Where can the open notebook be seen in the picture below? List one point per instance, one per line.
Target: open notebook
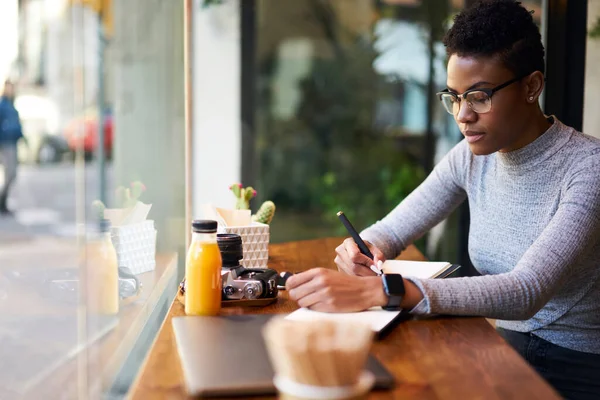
(419, 269)
(382, 321)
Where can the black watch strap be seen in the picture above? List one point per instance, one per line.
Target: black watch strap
(393, 285)
(393, 303)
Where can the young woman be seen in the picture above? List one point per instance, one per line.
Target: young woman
(533, 186)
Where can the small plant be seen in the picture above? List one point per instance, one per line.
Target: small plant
(124, 198)
(243, 195)
(98, 209)
(128, 197)
(265, 213)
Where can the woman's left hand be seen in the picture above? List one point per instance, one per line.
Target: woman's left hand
(327, 290)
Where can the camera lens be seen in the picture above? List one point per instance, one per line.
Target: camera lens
(231, 249)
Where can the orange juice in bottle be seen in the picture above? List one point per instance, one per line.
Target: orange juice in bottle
(203, 270)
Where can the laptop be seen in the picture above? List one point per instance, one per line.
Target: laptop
(226, 356)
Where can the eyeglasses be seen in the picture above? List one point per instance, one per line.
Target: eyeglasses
(479, 100)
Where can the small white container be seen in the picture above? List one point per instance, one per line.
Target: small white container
(136, 246)
(255, 243)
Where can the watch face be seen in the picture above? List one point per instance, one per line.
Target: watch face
(394, 285)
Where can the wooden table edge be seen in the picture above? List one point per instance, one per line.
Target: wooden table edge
(139, 373)
(128, 340)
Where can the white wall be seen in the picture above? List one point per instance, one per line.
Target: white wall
(591, 114)
(216, 120)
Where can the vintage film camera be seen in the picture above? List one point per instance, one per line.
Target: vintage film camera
(254, 286)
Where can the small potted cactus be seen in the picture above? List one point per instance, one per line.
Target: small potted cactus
(133, 235)
(125, 199)
(265, 213)
(255, 237)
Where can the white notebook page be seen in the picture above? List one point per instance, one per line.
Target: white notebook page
(376, 317)
(417, 269)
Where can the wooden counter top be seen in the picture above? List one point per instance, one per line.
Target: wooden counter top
(433, 358)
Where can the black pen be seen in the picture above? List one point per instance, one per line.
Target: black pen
(357, 239)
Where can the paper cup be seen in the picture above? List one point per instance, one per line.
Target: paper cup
(290, 390)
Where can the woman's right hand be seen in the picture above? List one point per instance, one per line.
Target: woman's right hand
(350, 260)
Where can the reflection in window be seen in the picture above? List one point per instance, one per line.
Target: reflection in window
(344, 120)
(77, 295)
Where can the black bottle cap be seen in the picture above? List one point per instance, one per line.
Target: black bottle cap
(204, 226)
(104, 225)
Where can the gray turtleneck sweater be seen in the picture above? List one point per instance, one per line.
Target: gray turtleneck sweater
(534, 236)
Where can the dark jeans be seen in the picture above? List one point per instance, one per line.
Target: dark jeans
(574, 374)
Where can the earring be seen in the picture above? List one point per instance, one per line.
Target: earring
(531, 98)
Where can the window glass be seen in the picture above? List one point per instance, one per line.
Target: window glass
(76, 294)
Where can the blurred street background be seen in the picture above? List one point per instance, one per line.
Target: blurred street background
(44, 201)
(46, 57)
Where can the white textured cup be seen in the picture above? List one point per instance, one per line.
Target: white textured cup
(291, 390)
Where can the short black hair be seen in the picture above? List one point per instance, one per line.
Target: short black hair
(498, 28)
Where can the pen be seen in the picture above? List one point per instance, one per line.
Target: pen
(358, 240)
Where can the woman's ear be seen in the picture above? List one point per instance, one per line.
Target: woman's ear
(534, 85)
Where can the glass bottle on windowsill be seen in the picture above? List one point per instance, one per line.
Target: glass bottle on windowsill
(101, 271)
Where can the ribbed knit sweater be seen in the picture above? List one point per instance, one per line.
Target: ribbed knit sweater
(534, 236)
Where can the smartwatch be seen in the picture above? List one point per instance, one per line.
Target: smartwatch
(393, 285)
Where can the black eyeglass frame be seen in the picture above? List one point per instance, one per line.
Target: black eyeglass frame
(489, 91)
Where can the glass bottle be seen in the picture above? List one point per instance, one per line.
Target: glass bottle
(203, 270)
(102, 272)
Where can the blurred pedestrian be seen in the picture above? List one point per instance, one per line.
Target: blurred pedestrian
(10, 134)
